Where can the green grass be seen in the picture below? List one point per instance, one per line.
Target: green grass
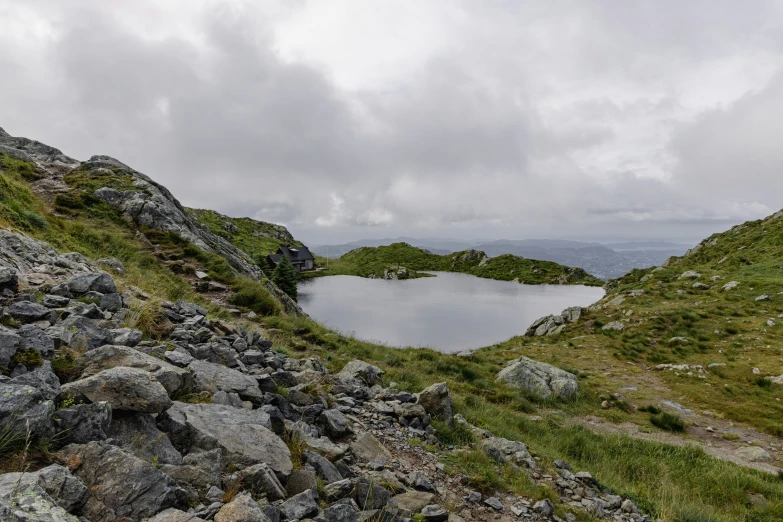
(256, 238)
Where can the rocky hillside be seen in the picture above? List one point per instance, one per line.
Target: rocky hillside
(386, 260)
(116, 406)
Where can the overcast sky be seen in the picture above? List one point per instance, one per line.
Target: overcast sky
(373, 118)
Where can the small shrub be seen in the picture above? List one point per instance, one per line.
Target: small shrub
(29, 358)
(668, 422)
(762, 382)
(650, 409)
(284, 276)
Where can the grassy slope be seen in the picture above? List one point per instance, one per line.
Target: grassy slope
(366, 261)
(673, 483)
(257, 238)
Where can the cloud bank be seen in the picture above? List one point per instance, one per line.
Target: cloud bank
(350, 119)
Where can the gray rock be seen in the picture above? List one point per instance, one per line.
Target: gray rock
(300, 506)
(243, 435)
(106, 357)
(325, 469)
(23, 408)
(178, 357)
(124, 388)
(212, 377)
(9, 344)
(98, 282)
(367, 448)
(361, 371)
(474, 496)
(33, 338)
(412, 501)
(504, 450)
(342, 513)
(434, 513)
(126, 336)
(335, 423)
(700, 286)
(764, 297)
(121, 485)
(436, 401)
(27, 312)
(262, 478)
(81, 332)
(9, 280)
(175, 515)
(217, 353)
(83, 423)
(55, 301)
(615, 326)
(65, 490)
(495, 504)
(301, 480)
(198, 470)
(544, 507)
(540, 378)
(227, 399)
(690, 274)
(138, 434)
(28, 503)
(554, 324)
(42, 379)
(369, 495)
(111, 302)
(242, 508)
(731, 285)
(337, 490)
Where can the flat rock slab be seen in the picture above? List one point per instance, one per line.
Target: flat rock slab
(244, 436)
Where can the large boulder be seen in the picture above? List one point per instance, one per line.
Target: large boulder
(100, 282)
(243, 435)
(213, 377)
(42, 379)
(109, 356)
(78, 331)
(29, 503)
(121, 484)
(83, 423)
(9, 280)
(124, 388)
(137, 433)
(65, 490)
(361, 371)
(23, 409)
(543, 379)
(303, 505)
(33, 338)
(436, 401)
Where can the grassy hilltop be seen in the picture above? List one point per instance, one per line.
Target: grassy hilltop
(674, 477)
(372, 261)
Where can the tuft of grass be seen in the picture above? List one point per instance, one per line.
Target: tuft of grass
(668, 422)
(452, 434)
(30, 358)
(254, 295)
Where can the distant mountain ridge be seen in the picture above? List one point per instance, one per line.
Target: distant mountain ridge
(605, 261)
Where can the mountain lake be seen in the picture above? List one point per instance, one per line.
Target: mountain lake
(449, 313)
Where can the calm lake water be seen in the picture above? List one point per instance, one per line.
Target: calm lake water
(450, 312)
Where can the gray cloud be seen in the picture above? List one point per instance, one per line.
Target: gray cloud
(519, 120)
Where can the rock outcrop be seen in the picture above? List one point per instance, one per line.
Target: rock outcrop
(554, 324)
(540, 378)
